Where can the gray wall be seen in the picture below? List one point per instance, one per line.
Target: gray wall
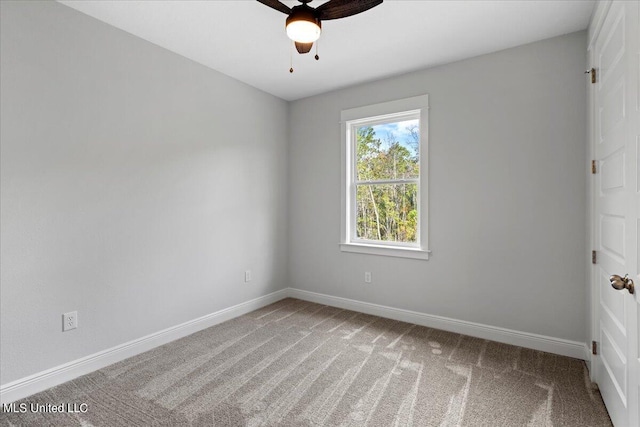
(137, 186)
(507, 190)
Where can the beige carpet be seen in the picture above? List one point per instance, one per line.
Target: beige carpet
(296, 363)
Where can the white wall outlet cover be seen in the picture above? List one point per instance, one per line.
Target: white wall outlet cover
(69, 321)
(247, 276)
(367, 277)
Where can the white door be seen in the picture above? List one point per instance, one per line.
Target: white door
(617, 209)
(633, 62)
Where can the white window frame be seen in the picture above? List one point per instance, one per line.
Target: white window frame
(384, 112)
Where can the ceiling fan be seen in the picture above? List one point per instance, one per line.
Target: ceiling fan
(304, 23)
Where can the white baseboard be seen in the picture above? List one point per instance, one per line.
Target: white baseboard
(508, 336)
(32, 384)
(587, 356)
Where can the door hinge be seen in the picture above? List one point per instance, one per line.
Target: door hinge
(593, 166)
(593, 257)
(594, 347)
(593, 74)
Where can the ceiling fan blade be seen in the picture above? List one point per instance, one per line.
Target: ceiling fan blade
(303, 47)
(275, 4)
(335, 9)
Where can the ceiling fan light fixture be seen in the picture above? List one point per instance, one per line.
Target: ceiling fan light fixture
(302, 25)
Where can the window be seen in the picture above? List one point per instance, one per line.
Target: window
(384, 191)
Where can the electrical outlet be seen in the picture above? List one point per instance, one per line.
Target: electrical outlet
(367, 277)
(69, 321)
(247, 276)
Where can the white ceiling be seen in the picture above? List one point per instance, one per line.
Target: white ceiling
(246, 40)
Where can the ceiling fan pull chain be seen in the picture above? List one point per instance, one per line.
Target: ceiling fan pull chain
(317, 43)
(291, 58)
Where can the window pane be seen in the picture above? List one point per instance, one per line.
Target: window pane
(388, 151)
(387, 212)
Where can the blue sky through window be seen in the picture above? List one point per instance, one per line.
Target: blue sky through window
(398, 131)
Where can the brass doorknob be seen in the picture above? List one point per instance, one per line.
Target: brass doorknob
(620, 283)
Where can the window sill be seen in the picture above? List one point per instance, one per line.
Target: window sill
(391, 251)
